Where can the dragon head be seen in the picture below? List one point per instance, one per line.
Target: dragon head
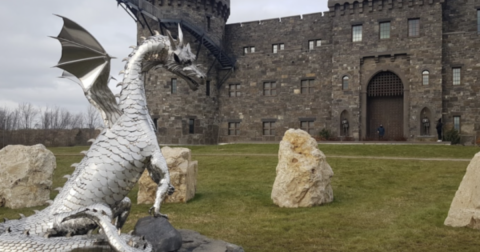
(181, 61)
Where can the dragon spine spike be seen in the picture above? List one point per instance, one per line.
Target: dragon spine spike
(119, 231)
(133, 47)
(46, 235)
(119, 84)
(89, 233)
(131, 232)
(84, 152)
(156, 33)
(118, 95)
(143, 38)
(8, 230)
(21, 215)
(5, 219)
(67, 176)
(58, 189)
(36, 211)
(50, 202)
(121, 72)
(75, 164)
(91, 140)
(26, 232)
(126, 59)
(69, 234)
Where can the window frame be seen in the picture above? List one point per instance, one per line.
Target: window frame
(425, 77)
(416, 29)
(478, 20)
(457, 125)
(309, 87)
(347, 79)
(314, 43)
(272, 90)
(173, 86)
(310, 126)
(235, 129)
(270, 130)
(385, 33)
(356, 37)
(456, 76)
(234, 90)
(191, 125)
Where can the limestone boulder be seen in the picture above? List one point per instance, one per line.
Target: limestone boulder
(183, 176)
(303, 174)
(26, 174)
(465, 208)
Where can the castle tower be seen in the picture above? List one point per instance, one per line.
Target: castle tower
(183, 116)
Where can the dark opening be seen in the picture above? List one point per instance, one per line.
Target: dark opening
(155, 122)
(191, 126)
(207, 85)
(208, 23)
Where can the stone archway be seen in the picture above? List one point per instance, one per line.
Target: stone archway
(385, 105)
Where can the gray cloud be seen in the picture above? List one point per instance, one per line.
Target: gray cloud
(27, 54)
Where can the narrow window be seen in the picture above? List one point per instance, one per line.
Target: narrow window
(155, 122)
(269, 128)
(173, 86)
(233, 128)
(456, 75)
(311, 45)
(345, 82)
(307, 86)
(385, 30)
(275, 48)
(207, 87)
(357, 33)
(456, 123)
(426, 76)
(234, 90)
(191, 126)
(252, 49)
(478, 20)
(307, 126)
(319, 42)
(414, 27)
(282, 47)
(269, 89)
(208, 23)
(245, 50)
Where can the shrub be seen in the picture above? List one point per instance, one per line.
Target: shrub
(325, 135)
(452, 135)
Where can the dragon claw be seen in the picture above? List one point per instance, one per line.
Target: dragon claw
(155, 214)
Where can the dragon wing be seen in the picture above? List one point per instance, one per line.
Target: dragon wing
(84, 58)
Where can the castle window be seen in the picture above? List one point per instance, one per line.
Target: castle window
(233, 128)
(478, 20)
(307, 125)
(384, 30)
(277, 47)
(357, 33)
(234, 90)
(314, 43)
(307, 86)
(207, 87)
(414, 27)
(173, 86)
(191, 126)
(209, 23)
(319, 42)
(426, 76)
(456, 71)
(456, 123)
(252, 49)
(269, 128)
(269, 88)
(248, 49)
(155, 122)
(345, 82)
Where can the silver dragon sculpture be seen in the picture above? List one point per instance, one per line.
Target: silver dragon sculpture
(95, 194)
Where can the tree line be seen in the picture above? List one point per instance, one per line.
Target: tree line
(51, 126)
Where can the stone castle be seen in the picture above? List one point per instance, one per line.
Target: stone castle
(401, 63)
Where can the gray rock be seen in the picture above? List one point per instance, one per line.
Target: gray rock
(195, 242)
(160, 233)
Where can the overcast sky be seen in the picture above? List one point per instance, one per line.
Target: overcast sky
(27, 54)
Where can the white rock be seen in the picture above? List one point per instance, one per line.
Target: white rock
(465, 208)
(303, 174)
(26, 174)
(183, 176)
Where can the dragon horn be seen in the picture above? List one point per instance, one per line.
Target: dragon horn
(156, 33)
(173, 44)
(180, 36)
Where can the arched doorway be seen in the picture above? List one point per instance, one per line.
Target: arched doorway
(385, 105)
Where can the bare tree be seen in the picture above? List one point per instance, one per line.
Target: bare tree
(92, 118)
(28, 114)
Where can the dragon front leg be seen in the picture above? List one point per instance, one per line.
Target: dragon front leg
(158, 171)
(121, 212)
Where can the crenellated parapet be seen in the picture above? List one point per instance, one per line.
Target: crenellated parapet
(346, 7)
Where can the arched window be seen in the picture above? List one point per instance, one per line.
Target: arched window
(345, 82)
(425, 75)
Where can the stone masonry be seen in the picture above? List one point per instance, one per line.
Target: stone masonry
(300, 86)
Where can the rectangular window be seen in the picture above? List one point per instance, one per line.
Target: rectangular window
(385, 30)
(207, 87)
(414, 27)
(456, 123)
(234, 90)
(155, 122)
(191, 126)
(357, 33)
(245, 50)
(269, 128)
(233, 128)
(311, 45)
(252, 49)
(208, 23)
(282, 47)
(456, 75)
(275, 48)
(319, 42)
(478, 20)
(248, 49)
(307, 126)
(278, 47)
(307, 86)
(269, 89)
(173, 86)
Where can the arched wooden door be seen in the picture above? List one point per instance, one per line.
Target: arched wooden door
(385, 105)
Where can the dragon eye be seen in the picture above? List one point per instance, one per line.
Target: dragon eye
(188, 62)
(177, 59)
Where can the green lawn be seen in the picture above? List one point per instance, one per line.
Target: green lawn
(380, 205)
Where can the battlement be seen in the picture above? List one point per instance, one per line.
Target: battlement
(220, 8)
(311, 17)
(343, 7)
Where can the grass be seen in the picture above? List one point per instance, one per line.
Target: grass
(379, 205)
